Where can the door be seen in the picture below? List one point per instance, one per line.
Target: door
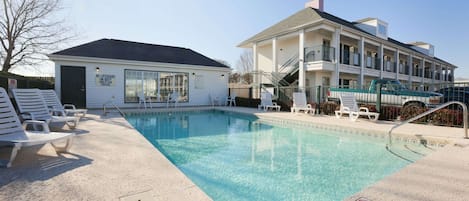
(346, 55)
(73, 89)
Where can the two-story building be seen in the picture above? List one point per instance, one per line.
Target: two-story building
(335, 52)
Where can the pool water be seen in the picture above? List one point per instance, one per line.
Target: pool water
(236, 157)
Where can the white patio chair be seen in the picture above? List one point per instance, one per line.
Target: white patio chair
(348, 105)
(12, 133)
(214, 100)
(266, 102)
(231, 100)
(31, 106)
(300, 104)
(53, 101)
(173, 98)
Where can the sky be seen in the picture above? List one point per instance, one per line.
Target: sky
(214, 28)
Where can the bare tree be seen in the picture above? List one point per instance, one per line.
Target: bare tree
(29, 30)
(245, 66)
(245, 62)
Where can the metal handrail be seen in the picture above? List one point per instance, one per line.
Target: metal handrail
(111, 102)
(464, 107)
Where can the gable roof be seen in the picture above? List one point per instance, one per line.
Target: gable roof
(310, 15)
(135, 51)
(297, 20)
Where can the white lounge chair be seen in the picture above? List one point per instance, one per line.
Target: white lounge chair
(53, 101)
(12, 133)
(31, 106)
(266, 102)
(348, 105)
(173, 98)
(300, 104)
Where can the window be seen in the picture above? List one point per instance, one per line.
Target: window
(382, 30)
(155, 85)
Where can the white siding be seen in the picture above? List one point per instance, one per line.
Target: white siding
(96, 96)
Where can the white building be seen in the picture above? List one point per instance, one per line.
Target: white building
(335, 52)
(94, 73)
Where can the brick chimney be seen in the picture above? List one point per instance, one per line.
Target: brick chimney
(318, 4)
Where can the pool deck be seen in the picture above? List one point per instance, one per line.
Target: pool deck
(110, 160)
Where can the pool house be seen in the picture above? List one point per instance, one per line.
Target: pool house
(123, 72)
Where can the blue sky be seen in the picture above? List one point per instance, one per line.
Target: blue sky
(215, 27)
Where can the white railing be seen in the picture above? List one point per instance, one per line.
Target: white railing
(111, 103)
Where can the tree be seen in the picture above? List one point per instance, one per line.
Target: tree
(245, 66)
(245, 62)
(29, 30)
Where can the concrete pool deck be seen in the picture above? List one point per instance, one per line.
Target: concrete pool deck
(110, 160)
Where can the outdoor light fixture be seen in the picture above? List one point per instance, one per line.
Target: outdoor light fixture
(193, 73)
(222, 75)
(98, 69)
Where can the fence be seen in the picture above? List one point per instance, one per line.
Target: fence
(27, 82)
(395, 102)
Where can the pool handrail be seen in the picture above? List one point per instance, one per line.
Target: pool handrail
(111, 102)
(464, 107)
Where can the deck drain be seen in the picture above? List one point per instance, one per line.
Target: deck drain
(142, 196)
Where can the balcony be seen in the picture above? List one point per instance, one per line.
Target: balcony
(353, 58)
(319, 53)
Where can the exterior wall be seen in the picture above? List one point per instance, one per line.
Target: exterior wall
(289, 47)
(265, 61)
(96, 96)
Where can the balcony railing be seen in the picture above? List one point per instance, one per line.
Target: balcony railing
(319, 53)
(352, 59)
(389, 66)
(373, 62)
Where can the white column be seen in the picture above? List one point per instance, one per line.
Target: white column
(433, 72)
(336, 42)
(381, 60)
(362, 61)
(446, 74)
(274, 55)
(422, 70)
(257, 76)
(411, 68)
(440, 71)
(452, 75)
(396, 64)
(301, 72)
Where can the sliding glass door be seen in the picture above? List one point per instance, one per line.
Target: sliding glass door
(155, 85)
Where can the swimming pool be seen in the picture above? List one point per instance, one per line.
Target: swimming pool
(237, 157)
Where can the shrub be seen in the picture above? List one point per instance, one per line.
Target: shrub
(411, 111)
(389, 112)
(447, 117)
(246, 102)
(329, 108)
